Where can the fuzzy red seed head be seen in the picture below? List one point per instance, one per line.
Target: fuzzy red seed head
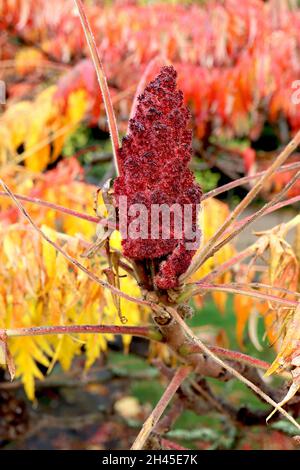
(154, 160)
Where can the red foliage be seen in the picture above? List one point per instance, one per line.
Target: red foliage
(154, 170)
(82, 76)
(66, 171)
(237, 62)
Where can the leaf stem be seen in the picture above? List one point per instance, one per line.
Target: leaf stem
(56, 207)
(242, 224)
(236, 289)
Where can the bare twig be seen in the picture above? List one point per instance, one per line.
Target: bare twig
(154, 417)
(56, 207)
(112, 123)
(230, 263)
(237, 258)
(242, 224)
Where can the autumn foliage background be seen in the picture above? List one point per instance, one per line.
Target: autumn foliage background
(236, 63)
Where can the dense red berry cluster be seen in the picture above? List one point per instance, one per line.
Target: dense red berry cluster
(154, 160)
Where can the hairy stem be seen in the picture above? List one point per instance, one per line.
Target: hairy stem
(56, 207)
(141, 331)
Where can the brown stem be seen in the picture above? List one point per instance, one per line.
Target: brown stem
(236, 356)
(229, 354)
(206, 351)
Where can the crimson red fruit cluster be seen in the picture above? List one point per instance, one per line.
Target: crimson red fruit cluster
(154, 160)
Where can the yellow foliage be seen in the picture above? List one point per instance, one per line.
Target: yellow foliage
(77, 106)
(58, 186)
(27, 60)
(38, 286)
(133, 313)
(34, 125)
(242, 307)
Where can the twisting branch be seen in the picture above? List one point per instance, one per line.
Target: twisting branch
(154, 417)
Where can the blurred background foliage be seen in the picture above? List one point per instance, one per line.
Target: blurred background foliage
(236, 63)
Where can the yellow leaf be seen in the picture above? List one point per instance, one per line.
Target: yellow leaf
(49, 253)
(77, 106)
(212, 216)
(242, 306)
(27, 60)
(290, 345)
